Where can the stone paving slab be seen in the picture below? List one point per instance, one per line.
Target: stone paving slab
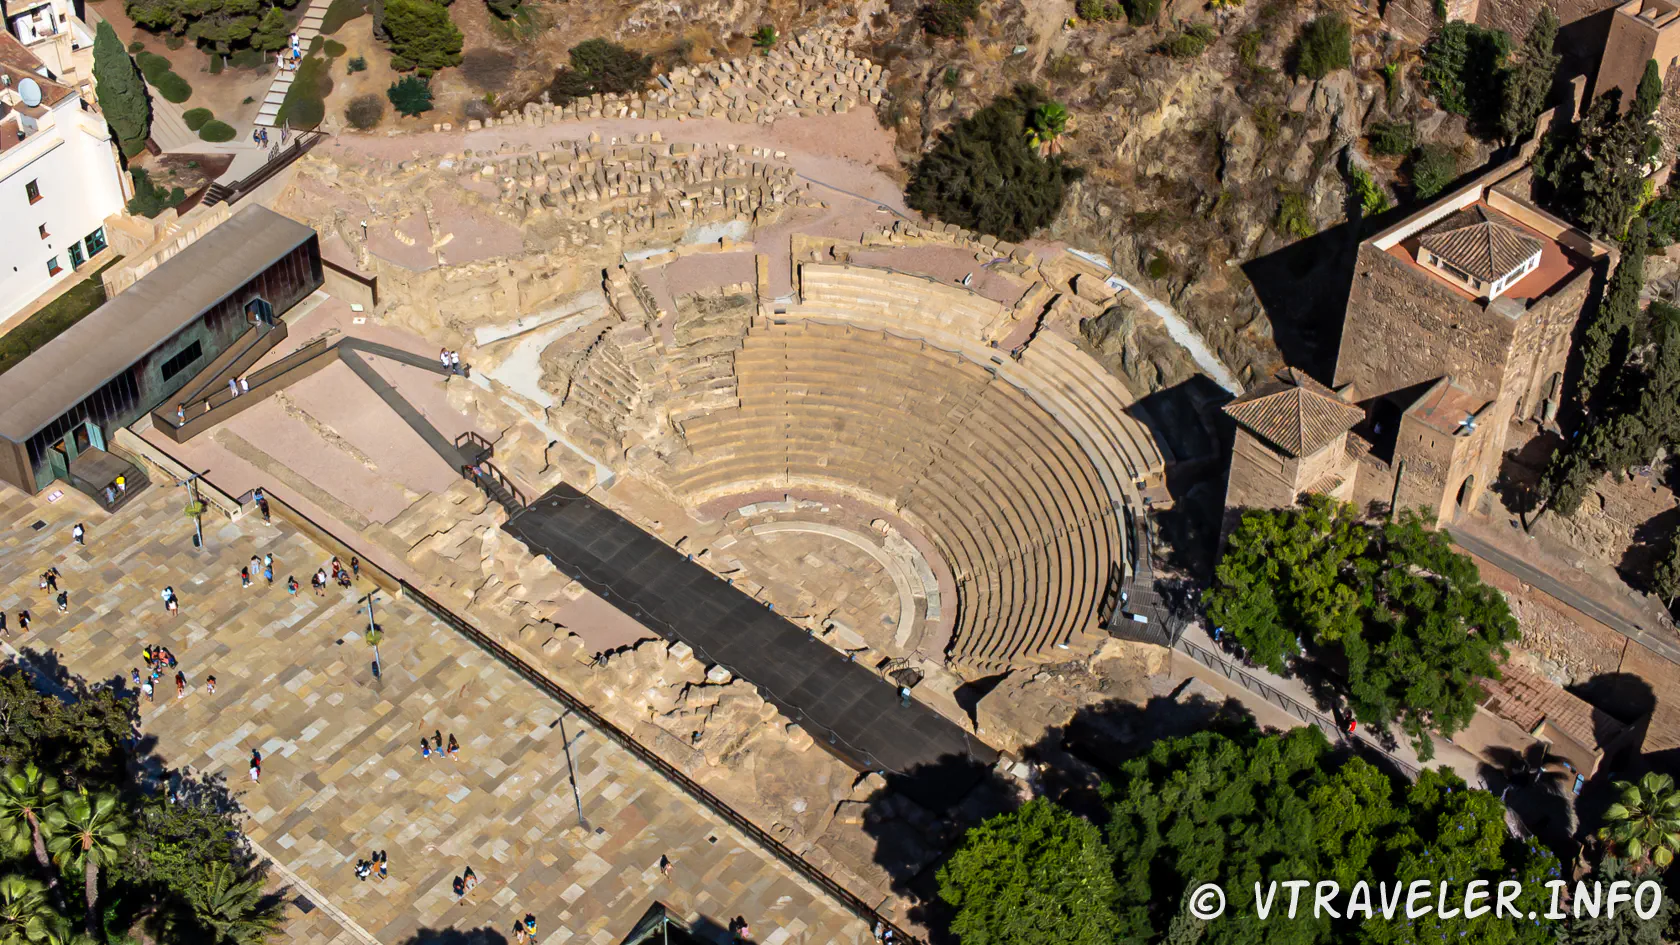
(342, 771)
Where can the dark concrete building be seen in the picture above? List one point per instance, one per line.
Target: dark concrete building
(59, 405)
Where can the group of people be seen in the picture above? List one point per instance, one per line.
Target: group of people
(451, 361)
(158, 660)
(263, 568)
(49, 582)
(434, 746)
(341, 575)
(377, 863)
(116, 490)
(465, 882)
(525, 930)
(171, 603)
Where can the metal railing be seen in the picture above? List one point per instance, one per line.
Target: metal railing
(1284, 701)
(488, 478)
(647, 756)
(480, 445)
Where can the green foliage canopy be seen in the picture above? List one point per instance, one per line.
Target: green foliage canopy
(422, 36)
(1464, 67)
(983, 173)
(1592, 171)
(1325, 45)
(1528, 83)
(599, 67)
(410, 95)
(122, 93)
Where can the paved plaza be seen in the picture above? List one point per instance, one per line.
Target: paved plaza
(342, 773)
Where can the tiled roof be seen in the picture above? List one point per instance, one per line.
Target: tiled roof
(1530, 701)
(1480, 242)
(1294, 413)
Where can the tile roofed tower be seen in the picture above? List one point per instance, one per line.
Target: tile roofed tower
(1477, 243)
(1295, 413)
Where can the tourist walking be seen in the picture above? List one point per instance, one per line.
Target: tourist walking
(180, 685)
(3, 630)
(268, 574)
(665, 864)
(384, 865)
(49, 579)
(425, 747)
(134, 674)
(244, 386)
(244, 577)
(455, 363)
(23, 621)
(210, 684)
(233, 387)
(146, 687)
(355, 567)
(79, 533)
(443, 358)
(291, 585)
(453, 747)
(63, 602)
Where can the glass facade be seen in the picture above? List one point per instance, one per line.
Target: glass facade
(164, 370)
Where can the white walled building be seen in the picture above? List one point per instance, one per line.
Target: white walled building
(59, 179)
(55, 31)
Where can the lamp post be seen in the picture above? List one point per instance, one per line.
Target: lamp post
(195, 508)
(373, 636)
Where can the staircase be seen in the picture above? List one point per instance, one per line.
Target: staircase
(308, 28)
(475, 453)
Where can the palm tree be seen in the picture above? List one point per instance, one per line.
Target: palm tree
(1645, 820)
(1045, 127)
(25, 916)
(234, 906)
(25, 796)
(88, 831)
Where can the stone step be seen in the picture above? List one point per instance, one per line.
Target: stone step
(269, 110)
(274, 98)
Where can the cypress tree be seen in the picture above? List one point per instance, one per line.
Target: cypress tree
(1609, 337)
(1530, 81)
(121, 91)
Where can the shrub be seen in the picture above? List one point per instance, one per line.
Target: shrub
(1464, 66)
(1433, 168)
(1188, 43)
(215, 65)
(422, 36)
(122, 93)
(599, 67)
(1160, 266)
(1294, 217)
(365, 111)
(1325, 45)
(1365, 189)
(273, 32)
(983, 174)
(487, 69)
(247, 59)
(149, 199)
(214, 130)
(340, 12)
(949, 18)
(174, 42)
(1142, 12)
(333, 48)
(765, 39)
(503, 9)
(196, 117)
(305, 103)
(174, 88)
(135, 47)
(1248, 48)
(1099, 11)
(1391, 137)
(162, 77)
(356, 64)
(411, 95)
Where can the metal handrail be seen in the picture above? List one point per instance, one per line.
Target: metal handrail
(647, 756)
(485, 470)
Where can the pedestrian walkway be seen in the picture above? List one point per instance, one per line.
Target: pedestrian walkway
(342, 774)
(846, 707)
(308, 28)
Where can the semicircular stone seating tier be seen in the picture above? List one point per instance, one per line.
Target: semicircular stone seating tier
(1009, 495)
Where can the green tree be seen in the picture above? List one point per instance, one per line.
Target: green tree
(1609, 335)
(88, 831)
(122, 93)
(1325, 45)
(983, 174)
(1142, 12)
(1434, 167)
(1464, 65)
(1408, 615)
(1529, 82)
(410, 95)
(1666, 579)
(422, 35)
(1040, 874)
(1623, 926)
(232, 905)
(26, 917)
(1644, 821)
(1245, 809)
(25, 797)
(1593, 171)
(273, 32)
(224, 24)
(599, 67)
(1569, 475)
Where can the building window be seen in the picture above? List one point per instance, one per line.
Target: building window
(96, 242)
(53, 268)
(179, 362)
(76, 257)
(43, 231)
(32, 190)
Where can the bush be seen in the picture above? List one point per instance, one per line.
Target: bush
(162, 77)
(1464, 66)
(216, 131)
(486, 69)
(1433, 168)
(1248, 48)
(1325, 45)
(1099, 11)
(410, 95)
(196, 117)
(356, 64)
(1365, 189)
(122, 93)
(215, 65)
(1294, 217)
(1142, 12)
(340, 12)
(174, 42)
(1391, 137)
(333, 48)
(984, 175)
(365, 111)
(422, 36)
(599, 67)
(247, 59)
(949, 18)
(305, 103)
(135, 47)
(503, 9)
(1187, 44)
(149, 199)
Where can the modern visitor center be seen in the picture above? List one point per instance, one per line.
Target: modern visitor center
(59, 405)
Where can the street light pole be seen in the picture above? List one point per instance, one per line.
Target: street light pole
(373, 637)
(191, 482)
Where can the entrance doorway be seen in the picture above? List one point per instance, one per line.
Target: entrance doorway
(1465, 490)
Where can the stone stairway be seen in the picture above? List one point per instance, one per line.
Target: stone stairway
(308, 28)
